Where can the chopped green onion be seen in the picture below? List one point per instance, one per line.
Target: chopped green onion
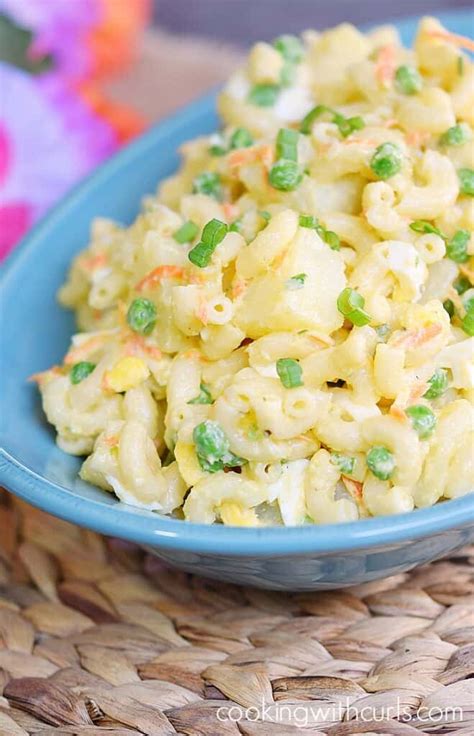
(296, 282)
(347, 126)
(204, 396)
(287, 144)
(289, 372)
(466, 181)
(461, 284)
(332, 239)
(265, 215)
(308, 221)
(386, 161)
(217, 150)
(456, 248)
(141, 316)
(213, 448)
(81, 370)
(236, 226)
(345, 463)
(290, 47)
(380, 462)
(329, 237)
(467, 323)
(350, 304)
(448, 306)
(423, 226)
(454, 136)
(468, 301)
(408, 80)
(285, 175)
(438, 383)
(264, 95)
(287, 74)
(308, 120)
(213, 234)
(240, 138)
(422, 419)
(208, 183)
(186, 232)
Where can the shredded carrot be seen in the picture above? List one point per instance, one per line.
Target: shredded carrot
(135, 344)
(242, 156)
(415, 338)
(158, 274)
(92, 263)
(74, 355)
(417, 137)
(201, 312)
(454, 38)
(230, 211)
(417, 391)
(398, 413)
(265, 155)
(353, 486)
(238, 288)
(104, 384)
(385, 65)
(355, 489)
(112, 440)
(191, 354)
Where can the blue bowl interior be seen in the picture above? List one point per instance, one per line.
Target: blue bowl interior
(36, 332)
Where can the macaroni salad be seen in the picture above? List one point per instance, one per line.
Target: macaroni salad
(285, 333)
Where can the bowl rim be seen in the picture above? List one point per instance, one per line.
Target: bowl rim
(149, 528)
(152, 529)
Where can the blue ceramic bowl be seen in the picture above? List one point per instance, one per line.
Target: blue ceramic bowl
(35, 334)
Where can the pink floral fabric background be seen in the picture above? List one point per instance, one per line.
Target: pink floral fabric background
(56, 122)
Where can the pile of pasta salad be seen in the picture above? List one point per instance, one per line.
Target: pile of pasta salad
(285, 333)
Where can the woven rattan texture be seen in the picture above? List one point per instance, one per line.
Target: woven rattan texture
(98, 638)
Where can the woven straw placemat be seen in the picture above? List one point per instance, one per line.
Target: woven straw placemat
(96, 637)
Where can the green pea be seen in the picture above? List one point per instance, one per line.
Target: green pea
(208, 183)
(345, 463)
(81, 370)
(213, 447)
(454, 136)
(456, 248)
(466, 181)
(386, 161)
(381, 462)
(422, 419)
(141, 316)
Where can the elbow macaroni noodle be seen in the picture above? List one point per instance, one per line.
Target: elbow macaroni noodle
(285, 333)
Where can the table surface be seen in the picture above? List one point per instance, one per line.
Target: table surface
(246, 21)
(99, 639)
